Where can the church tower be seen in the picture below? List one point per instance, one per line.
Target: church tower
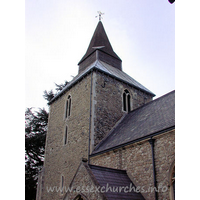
(84, 112)
(100, 49)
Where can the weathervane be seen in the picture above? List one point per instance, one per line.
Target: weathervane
(100, 13)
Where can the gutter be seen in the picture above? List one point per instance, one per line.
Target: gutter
(68, 87)
(151, 141)
(133, 141)
(88, 72)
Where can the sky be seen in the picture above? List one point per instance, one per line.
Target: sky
(54, 35)
(57, 35)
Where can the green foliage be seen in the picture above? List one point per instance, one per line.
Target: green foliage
(61, 86)
(35, 136)
(48, 95)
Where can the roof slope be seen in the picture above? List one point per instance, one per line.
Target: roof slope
(112, 71)
(152, 117)
(115, 179)
(101, 42)
(107, 69)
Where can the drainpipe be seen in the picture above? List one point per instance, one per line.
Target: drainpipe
(90, 116)
(151, 141)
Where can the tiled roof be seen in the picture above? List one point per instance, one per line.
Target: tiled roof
(151, 118)
(114, 180)
(107, 69)
(100, 41)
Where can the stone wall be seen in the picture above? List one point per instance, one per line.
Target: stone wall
(60, 159)
(137, 160)
(106, 109)
(164, 159)
(84, 184)
(108, 104)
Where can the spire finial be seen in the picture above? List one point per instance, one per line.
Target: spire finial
(100, 13)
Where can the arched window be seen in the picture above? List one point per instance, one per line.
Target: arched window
(65, 136)
(68, 107)
(129, 102)
(126, 101)
(62, 185)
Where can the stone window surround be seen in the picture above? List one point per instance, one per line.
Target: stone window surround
(68, 106)
(126, 101)
(62, 184)
(65, 139)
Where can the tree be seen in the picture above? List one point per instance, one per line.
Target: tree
(35, 136)
(50, 94)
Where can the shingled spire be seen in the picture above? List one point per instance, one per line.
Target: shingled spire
(100, 49)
